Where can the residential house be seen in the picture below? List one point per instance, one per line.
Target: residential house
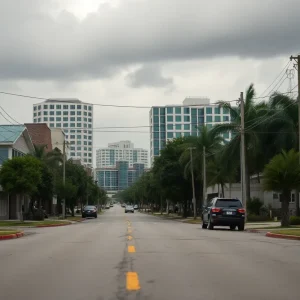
(14, 141)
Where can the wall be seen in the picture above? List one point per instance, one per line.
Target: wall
(21, 145)
(58, 138)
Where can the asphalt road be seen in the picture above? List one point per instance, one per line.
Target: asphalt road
(137, 256)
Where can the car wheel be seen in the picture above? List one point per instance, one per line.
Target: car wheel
(125, 212)
(210, 225)
(96, 216)
(241, 227)
(232, 227)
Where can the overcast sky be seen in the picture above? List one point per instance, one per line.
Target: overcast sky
(140, 52)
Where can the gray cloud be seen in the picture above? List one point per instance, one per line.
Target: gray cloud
(37, 46)
(148, 76)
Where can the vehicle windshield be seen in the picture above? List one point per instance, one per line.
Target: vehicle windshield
(89, 207)
(228, 203)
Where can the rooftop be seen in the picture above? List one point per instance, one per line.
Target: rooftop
(66, 100)
(10, 133)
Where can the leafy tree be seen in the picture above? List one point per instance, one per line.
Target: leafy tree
(282, 174)
(21, 175)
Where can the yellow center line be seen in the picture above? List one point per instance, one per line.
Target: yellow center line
(129, 230)
(129, 238)
(131, 249)
(132, 281)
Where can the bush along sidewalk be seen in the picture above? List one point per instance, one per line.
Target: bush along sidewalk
(10, 234)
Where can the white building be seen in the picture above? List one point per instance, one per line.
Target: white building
(75, 118)
(173, 121)
(120, 151)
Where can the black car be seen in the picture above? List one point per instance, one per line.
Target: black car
(224, 212)
(89, 211)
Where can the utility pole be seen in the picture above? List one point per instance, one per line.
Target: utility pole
(243, 154)
(193, 183)
(297, 60)
(64, 180)
(204, 175)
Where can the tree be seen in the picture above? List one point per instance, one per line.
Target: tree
(255, 118)
(282, 174)
(21, 175)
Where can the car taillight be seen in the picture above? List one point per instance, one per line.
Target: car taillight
(215, 210)
(241, 210)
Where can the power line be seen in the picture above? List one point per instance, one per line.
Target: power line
(9, 115)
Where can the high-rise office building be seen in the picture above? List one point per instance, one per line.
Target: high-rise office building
(173, 121)
(120, 151)
(119, 177)
(75, 118)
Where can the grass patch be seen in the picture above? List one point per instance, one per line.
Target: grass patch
(30, 223)
(287, 232)
(7, 232)
(276, 227)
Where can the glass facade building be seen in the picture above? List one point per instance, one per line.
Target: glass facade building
(120, 177)
(76, 120)
(169, 122)
(120, 151)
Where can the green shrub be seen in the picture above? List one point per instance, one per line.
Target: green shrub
(255, 218)
(294, 220)
(254, 206)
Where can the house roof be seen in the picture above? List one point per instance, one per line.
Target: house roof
(10, 133)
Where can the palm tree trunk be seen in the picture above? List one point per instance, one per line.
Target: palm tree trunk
(285, 221)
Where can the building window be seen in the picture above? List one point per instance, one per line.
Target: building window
(169, 110)
(65, 113)
(90, 120)
(225, 110)
(170, 118)
(51, 125)
(178, 126)
(186, 118)
(58, 119)
(51, 106)
(58, 113)
(85, 143)
(90, 126)
(155, 111)
(178, 118)
(217, 118)
(177, 110)
(225, 118)
(72, 113)
(85, 119)
(208, 118)
(208, 110)
(78, 148)
(90, 108)
(66, 107)
(79, 143)
(72, 136)
(34, 108)
(79, 125)
(72, 125)
(186, 110)
(58, 125)
(39, 113)
(34, 114)
(79, 137)
(45, 119)
(45, 106)
(85, 107)
(186, 126)
(78, 118)
(39, 107)
(156, 135)
(39, 120)
(85, 113)
(72, 106)
(65, 125)
(78, 113)
(72, 119)
(51, 119)
(169, 135)
(217, 110)
(58, 106)
(72, 153)
(178, 134)
(78, 106)
(170, 126)
(65, 119)
(90, 149)
(186, 134)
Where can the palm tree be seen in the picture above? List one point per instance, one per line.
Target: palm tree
(254, 120)
(282, 174)
(52, 158)
(219, 172)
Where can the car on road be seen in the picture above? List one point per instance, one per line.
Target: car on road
(89, 211)
(224, 212)
(135, 207)
(129, 208)
(107, 206)
(111, 205)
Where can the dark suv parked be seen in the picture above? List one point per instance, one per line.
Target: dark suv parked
(224, 212)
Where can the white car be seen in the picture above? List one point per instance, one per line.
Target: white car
(129, 208)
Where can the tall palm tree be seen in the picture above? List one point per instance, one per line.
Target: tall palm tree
(282, 174)
(254, 120)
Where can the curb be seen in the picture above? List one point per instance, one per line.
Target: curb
(53, 225)
(12, 236)
(283, 236)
